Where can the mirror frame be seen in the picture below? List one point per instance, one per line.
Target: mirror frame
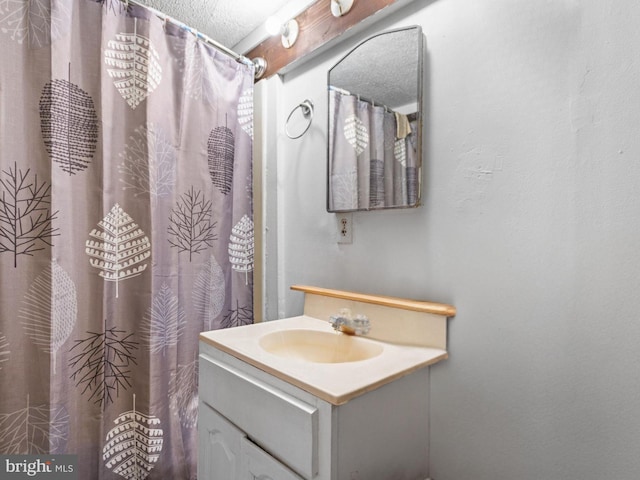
(419, 119)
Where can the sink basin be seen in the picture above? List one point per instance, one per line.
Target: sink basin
(319, 347)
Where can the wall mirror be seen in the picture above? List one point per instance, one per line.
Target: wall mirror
(375, 124)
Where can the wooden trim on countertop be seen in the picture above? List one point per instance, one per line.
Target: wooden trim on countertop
(394, 302)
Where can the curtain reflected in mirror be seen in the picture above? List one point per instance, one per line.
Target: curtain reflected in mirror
(374, 150)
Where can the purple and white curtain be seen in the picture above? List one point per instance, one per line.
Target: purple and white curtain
(371, 166)
(126, 229)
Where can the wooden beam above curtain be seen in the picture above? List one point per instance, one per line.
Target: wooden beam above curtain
(317, 28)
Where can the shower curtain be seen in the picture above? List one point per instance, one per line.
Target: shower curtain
(370, 165)
(125, 230)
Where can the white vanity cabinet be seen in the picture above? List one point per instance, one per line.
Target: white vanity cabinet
(253, 425)
(273, 414)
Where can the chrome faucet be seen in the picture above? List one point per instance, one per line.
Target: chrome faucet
(345, 323)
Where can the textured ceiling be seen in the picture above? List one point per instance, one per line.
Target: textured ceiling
(225, 21)
(383, 69)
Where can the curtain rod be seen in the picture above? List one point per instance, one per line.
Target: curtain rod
(163, 16)
(361, 98)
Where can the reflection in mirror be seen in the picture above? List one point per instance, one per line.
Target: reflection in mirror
(375, 124)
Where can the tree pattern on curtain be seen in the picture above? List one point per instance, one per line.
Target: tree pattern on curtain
(126, 229)
(35, 22)
(156, 178)
(26, 219)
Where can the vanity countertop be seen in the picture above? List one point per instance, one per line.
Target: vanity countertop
(336, 383)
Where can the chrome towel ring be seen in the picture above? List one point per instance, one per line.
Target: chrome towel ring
(307, 112)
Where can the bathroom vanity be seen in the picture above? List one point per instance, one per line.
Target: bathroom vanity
(294, 399)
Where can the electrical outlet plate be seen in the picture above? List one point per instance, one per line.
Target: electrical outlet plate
(344, 228)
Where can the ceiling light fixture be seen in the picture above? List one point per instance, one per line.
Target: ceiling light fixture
(290, 32)
(341, 7)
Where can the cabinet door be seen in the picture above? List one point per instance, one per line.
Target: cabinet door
(260, 465)
(219, 446)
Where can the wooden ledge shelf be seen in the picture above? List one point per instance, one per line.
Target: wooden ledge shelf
(393, 302)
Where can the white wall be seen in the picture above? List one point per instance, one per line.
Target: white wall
(530, 227)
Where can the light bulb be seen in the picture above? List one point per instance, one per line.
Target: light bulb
(273, 25)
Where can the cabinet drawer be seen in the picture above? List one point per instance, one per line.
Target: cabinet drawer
(283, 425)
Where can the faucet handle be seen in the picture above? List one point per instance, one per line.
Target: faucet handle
(344, 322)
(361, 324)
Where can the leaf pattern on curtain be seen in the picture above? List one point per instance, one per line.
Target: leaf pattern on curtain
(39, 22)
(4, 350)
(238, 316)
(59, 429)
(191, 228)
(26, 221)
(413, 185)
(69, 125)
(356, 133)
(183, 393)
(344, 190)
(245, 111)
(102, 364)
(241, 247)
(376, 183)
(34, 429)
(50, 310)
(198, 85)
(164, 323)
(120, 249)
(149, 163)
(134, 65)
(400, 151)
(209, 292)
(221, 155)
(133, 446)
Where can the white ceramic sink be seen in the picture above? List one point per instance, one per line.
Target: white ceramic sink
(287, 348)
(319, 347)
